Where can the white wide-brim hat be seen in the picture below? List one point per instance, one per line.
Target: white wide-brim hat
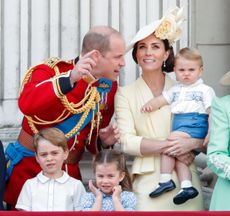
(168, 27)
(143, 33)
(225, 80)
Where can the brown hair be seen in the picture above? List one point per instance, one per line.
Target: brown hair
(190, 54)
(169, 63)
(53, 135)
(114, 156)
(98, 38)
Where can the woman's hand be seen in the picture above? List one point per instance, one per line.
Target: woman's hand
(186, 158)
(182, 145)
(179, 146)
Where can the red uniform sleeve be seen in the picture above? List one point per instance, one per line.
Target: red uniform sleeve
(38, 95)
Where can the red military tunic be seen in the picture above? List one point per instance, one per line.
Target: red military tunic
(40, 99)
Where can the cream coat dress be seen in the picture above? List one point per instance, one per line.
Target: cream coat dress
(135, 125)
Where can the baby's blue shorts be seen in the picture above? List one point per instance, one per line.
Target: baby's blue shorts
(194, 124)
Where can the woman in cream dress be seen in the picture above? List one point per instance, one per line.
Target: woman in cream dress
(144, 135)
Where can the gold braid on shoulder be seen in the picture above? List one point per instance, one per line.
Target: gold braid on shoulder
(89, 102)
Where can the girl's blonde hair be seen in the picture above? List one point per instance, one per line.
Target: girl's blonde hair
(190, 54)
(114, 156)
(53, 135)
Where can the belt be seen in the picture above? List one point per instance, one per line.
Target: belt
(26, 140)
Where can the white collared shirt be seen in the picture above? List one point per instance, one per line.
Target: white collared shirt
(196, 97)
(44, 194)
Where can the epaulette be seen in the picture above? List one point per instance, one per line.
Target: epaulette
(51, 62)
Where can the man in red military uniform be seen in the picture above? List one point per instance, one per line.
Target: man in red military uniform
(75, 96)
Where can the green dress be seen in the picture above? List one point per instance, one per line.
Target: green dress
(218, 155)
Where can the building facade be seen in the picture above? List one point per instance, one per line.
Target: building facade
(33, 30)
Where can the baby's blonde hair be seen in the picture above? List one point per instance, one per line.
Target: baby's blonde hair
(189, 54)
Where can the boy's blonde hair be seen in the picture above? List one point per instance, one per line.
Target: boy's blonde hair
(189, 54)
(53, 135)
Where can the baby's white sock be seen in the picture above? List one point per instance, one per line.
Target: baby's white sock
(186, 184)
(165, 177)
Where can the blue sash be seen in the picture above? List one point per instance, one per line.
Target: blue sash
(14, 153)
(67, 125)
(104, 86)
